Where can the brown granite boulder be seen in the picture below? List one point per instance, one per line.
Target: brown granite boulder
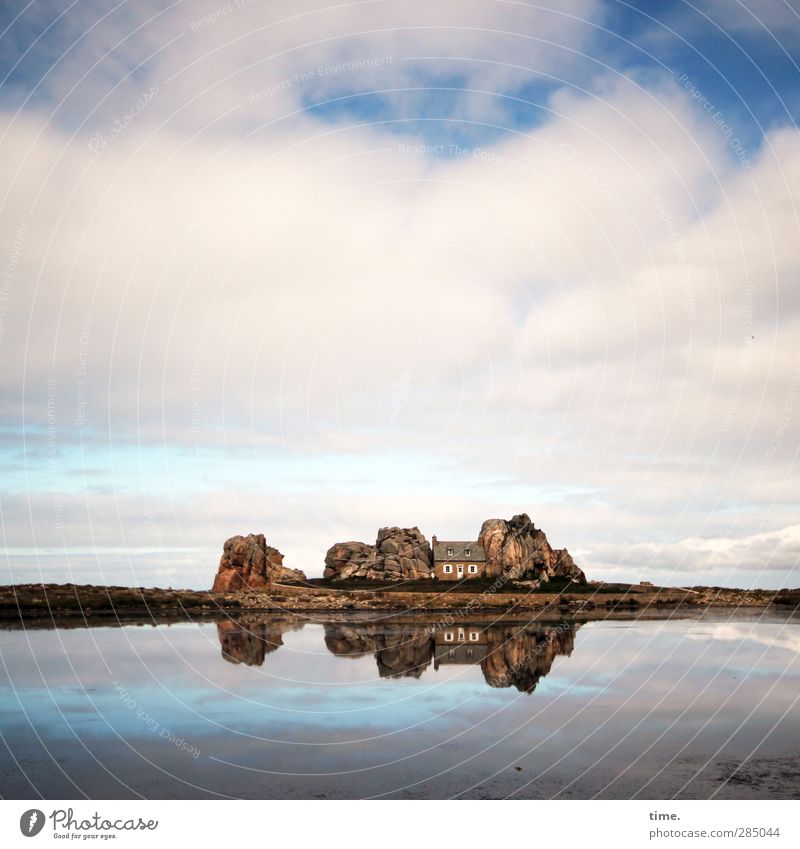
(248, 563)
(349, 560)
(565, 567)
(519, 550)
(399, 554)
(404, 553)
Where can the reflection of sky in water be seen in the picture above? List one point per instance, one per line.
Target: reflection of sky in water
(612, 714)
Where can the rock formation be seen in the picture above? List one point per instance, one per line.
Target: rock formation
(350, 559)
(248, 563)
(520, 551)
(399, 554)
(514, 548)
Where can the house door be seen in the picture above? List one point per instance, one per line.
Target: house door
(460, 571)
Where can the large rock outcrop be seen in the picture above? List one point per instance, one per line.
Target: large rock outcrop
(514, 548)
(248, 563)
(350, 559)
(399, 554)
(520, 551)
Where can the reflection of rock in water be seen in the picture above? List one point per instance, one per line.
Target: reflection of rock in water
(400, 650)
(250, 639)
(509, 655)
(519, 657)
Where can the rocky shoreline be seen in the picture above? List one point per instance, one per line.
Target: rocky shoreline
(520, 572)
(29, 601)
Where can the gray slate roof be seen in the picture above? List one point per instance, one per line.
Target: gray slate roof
(476, 552)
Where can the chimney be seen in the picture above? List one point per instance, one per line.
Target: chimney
(433, 540)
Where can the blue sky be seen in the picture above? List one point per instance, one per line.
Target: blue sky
(312, 271)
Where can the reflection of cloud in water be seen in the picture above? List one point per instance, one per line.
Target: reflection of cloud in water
(344, 708)
(773, 635)
(509, 655)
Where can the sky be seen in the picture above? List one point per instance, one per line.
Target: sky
(314, 269)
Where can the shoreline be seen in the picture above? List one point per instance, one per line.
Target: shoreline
(50, 601)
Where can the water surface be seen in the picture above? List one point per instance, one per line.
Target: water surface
(282, 707)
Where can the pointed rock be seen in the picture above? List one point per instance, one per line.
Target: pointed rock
(519, 550)
(248, 563)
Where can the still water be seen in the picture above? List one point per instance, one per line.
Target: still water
(272, 707)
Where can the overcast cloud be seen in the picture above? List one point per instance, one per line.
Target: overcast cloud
(513, 263)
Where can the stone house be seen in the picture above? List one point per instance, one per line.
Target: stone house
(455, 560)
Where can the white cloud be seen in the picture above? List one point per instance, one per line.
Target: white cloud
(721, 559)
(245, 63)
(592, 321)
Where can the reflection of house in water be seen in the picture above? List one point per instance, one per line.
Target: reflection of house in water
(508, 654)
(460, 644)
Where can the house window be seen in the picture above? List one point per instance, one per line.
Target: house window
(466, 552)
(473, 636)
(447, 568)
(469, 652)
(472, 568)
(448, 636)
(461, 637)
(460, 568)
(449, 551)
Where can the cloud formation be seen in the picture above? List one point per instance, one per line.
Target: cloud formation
(226, 309)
